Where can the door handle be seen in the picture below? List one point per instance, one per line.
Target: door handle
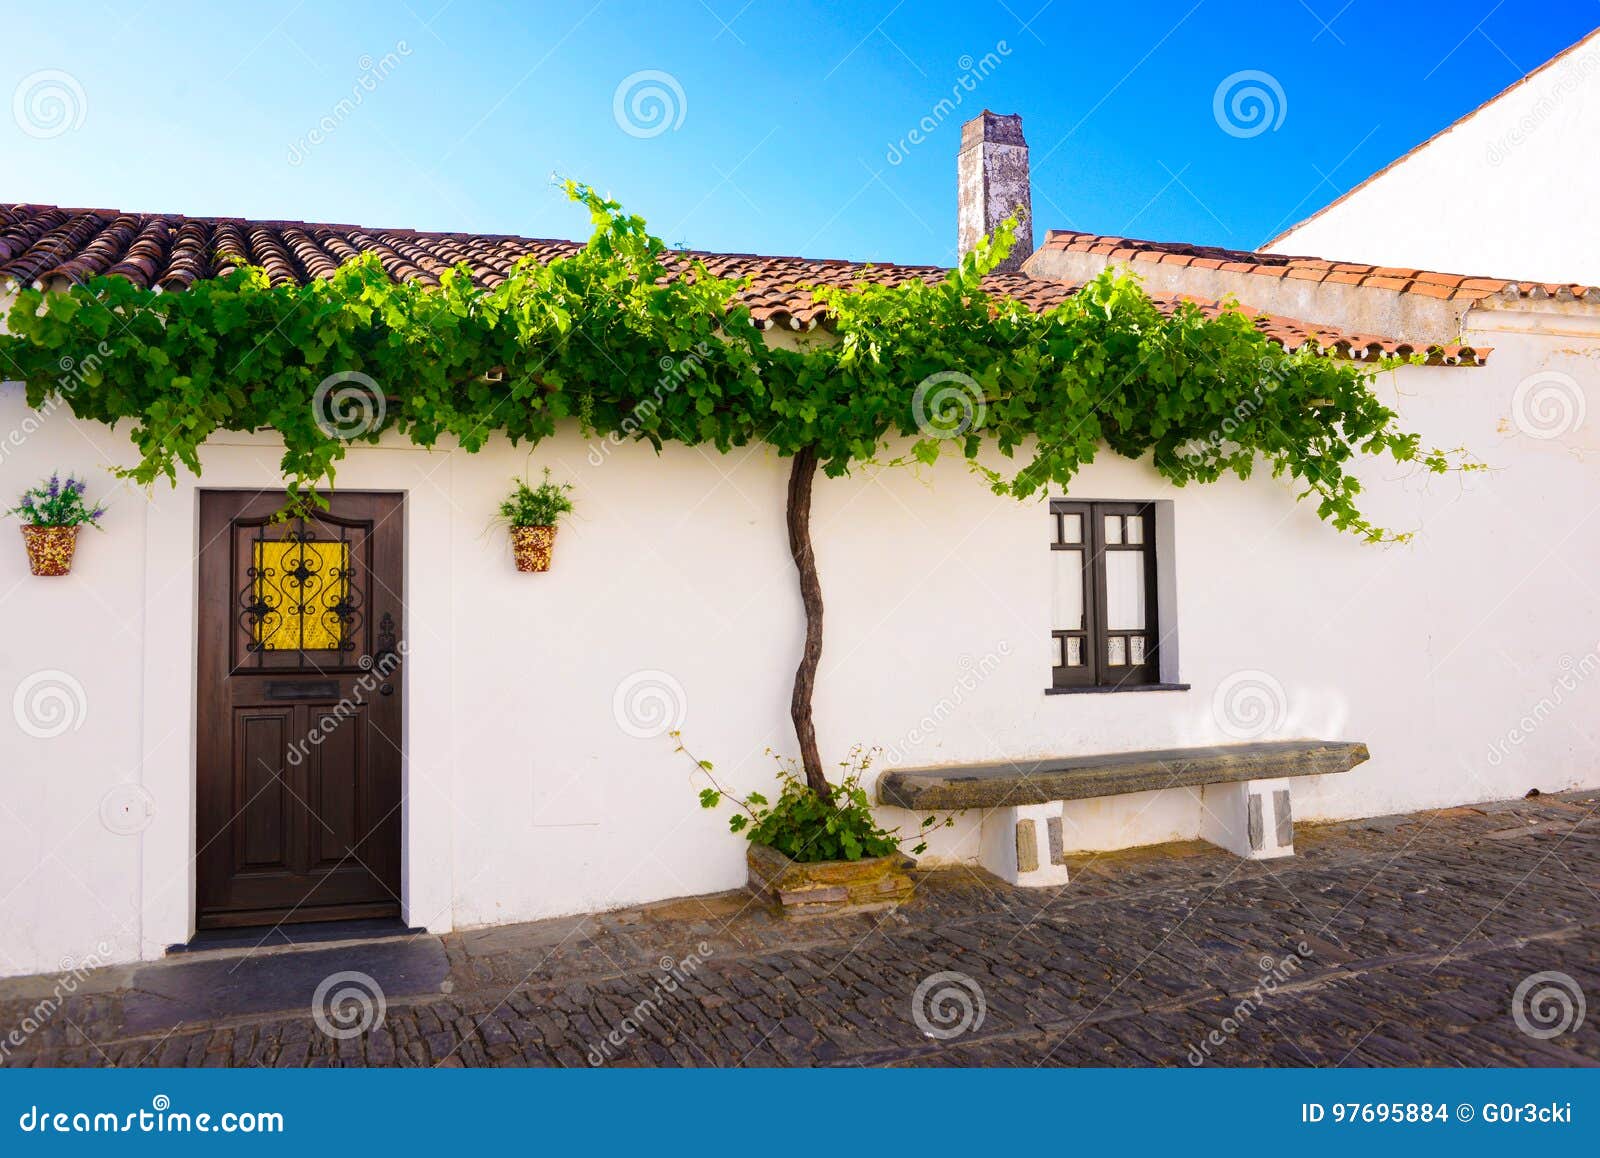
(385, 657)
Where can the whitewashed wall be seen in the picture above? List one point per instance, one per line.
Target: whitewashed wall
(1504, 192)
(526, 797)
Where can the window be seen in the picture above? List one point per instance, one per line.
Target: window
(300, 594)
(1108, 599)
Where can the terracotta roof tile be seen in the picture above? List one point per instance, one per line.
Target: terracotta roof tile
(46, 243)
(1443, 293)
(1459, 287)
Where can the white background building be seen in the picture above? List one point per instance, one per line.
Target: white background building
(1510, 187)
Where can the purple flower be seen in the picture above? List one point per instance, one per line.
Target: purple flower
(55, 486)
(98, 511)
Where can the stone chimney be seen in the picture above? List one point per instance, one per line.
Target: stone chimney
(992, 182)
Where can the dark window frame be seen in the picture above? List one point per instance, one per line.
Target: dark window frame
(1096, 673)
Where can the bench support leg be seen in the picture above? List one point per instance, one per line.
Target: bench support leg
(1251, 818)
(1023, 845)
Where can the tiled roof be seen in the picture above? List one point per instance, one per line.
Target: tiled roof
(1444, 286)
(44, 245)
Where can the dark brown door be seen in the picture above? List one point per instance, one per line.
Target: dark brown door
(299, 709)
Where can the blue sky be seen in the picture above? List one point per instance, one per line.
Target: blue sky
(787, 121)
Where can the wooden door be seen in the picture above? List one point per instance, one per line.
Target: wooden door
(299, 697)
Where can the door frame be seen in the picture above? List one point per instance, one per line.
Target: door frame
(167, 718)
(229, 680)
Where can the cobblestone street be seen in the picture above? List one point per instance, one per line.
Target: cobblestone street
(1395, 941)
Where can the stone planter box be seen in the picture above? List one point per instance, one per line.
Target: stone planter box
(828, 888)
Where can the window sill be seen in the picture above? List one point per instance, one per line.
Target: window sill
(1125, 688)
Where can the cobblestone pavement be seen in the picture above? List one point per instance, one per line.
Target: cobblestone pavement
(1395, 941)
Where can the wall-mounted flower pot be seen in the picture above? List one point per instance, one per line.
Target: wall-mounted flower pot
(50, 549)
(531, 546)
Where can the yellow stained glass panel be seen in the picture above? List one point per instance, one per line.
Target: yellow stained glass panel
(302, 584)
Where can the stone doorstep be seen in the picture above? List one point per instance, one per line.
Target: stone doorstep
(165, 994)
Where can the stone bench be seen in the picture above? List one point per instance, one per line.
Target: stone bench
(1244, 797)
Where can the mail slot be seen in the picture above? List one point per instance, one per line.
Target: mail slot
(302, 689)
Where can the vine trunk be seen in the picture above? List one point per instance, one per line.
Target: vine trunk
(802, 473)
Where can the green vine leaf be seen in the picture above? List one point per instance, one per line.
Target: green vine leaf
(634, 343)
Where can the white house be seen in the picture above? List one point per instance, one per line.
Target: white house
(518, 766)
(1512, 185)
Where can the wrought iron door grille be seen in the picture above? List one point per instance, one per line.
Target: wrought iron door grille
(300, 595)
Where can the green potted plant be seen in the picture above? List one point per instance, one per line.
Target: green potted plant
(51, 514)
(532, 514)
(815, 855)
